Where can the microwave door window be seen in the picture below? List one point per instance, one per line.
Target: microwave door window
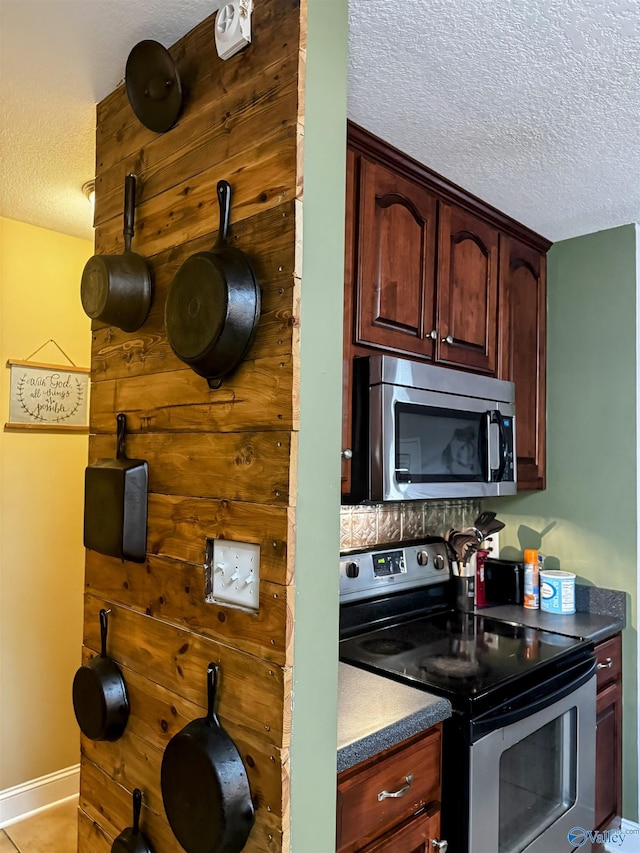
(435, 445)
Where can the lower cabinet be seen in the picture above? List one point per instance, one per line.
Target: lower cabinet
(609, 733)
(391, 803)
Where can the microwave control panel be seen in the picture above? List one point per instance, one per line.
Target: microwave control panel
(365, 574)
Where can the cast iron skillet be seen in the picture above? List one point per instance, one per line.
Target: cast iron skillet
(100, 698)
(205, 788)
(131, 840)
(213, 305)
(116, 289)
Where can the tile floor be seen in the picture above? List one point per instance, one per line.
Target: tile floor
(51, 831)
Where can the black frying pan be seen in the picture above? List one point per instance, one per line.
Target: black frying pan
(131, 840)
(115, 503)
(213, 305)
(205, 788)
(100, 699)
(116, 289)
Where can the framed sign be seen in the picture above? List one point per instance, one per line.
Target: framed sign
(48, 396)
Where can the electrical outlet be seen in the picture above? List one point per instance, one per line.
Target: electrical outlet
(493, 545)
(232, 573)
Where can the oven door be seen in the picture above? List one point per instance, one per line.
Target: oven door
(533, 781)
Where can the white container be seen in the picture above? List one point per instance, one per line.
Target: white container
(557, 591)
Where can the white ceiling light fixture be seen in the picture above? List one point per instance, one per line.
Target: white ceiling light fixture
(89, 189)
(233, 27)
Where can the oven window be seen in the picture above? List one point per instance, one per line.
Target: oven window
(436, 445)
(537, 782)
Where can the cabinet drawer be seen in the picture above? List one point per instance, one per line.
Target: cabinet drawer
(365, 809)
(609, 655)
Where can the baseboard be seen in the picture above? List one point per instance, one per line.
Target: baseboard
(24, 800)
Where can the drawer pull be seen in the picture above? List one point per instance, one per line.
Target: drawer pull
(608, 663)
(383, 795)
(440, 845)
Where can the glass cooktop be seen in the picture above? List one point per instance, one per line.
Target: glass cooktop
(463, 656)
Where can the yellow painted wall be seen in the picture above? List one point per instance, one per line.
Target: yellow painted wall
(41, 511)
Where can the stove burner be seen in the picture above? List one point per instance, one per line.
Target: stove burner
(386, 646)
(451, 667)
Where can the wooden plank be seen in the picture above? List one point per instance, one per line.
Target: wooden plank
(178, 527)
(204, 76)
(251, 691)
(257, 396)
(91, 837)
(175, 592)
(236, 122)
(190, 209)
(109, 804)
(158, 714)
(238, 466)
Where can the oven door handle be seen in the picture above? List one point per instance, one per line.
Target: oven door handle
(506, 714)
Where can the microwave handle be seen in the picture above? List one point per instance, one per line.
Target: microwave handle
(494, 417)
(503, 446)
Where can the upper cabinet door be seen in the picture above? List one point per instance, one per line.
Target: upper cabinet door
(396, 262)
(467, 291)
(523, 312)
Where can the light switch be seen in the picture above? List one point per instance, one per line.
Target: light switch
(232, 572)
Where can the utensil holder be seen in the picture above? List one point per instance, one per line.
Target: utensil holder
(465, 593)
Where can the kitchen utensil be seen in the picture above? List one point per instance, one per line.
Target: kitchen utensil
(484, 518)
(131, 840)
(116, 289)
(204, 783)
(213, 305)
(100, 699)
(115, 503)
(153, 86)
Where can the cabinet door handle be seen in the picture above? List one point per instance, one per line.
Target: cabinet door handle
(383, 795)
(433, 335)
(608, 663)
(440, 845)
(347, 454)
(448, 339)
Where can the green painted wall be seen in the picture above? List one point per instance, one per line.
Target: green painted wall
(588, 515)
(315, 668)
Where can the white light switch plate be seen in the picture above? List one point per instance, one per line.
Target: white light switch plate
(233, 573)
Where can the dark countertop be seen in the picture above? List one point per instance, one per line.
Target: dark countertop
(600, 613)
(375, 712)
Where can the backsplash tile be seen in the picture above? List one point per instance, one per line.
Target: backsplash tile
(367, 525)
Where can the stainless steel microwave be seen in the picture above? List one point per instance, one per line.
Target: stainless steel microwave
(422, 431)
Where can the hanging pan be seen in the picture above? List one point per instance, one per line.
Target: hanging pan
(100, 700)
(213, 305)
(115, 503)
(204, 783)
(131, 840)
(153, 86)
(116, 289)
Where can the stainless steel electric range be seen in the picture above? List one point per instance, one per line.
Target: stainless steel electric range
(519, 751)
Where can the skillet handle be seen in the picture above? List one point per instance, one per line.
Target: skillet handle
(212, 683)
(104, 626)
(137, 808)
(121, 421)
(129, 209)
(224, 200)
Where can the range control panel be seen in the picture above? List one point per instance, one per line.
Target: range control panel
(366, 574)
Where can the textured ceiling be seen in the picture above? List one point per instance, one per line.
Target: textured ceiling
(533, 105)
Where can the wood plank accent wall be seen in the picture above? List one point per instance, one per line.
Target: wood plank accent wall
(221, 463)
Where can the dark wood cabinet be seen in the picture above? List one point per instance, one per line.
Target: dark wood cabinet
(391, 803)
(395, 262)
(417, 835)
(433, 273)
(609, 733)
(523, 313)
(467, 301)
